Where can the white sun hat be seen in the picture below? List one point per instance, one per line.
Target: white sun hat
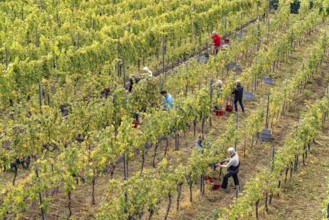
(146, 69)
(231, 150)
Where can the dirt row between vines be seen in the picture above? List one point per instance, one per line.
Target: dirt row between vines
(306, 192)
(305, 196)
(260, 156)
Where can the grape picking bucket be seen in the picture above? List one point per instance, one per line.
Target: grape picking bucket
(216, 186)
(229, 108)
(265, 135)
(220, 112)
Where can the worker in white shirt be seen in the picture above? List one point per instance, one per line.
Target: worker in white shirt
(134, 79)
(147, 71)
(232, 166)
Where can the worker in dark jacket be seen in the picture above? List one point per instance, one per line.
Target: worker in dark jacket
(133, 80)
(238, 95)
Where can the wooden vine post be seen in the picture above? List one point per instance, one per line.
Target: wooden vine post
(190, 183)
(257, 206)
(255, 76)
(272, 168)
(266, 199)
(258, 35)
(296, 164)
(118, 65)
(125, 177)
(268, 30)
(40, 97)
(169, 205)
(202, 184)
(273, 158)
(211, 97)
(36, 37)
(7, 58)
(186, 88)
(237, 190)
(43, 214)
(115, 116)
(176, 139)
(163, 55)
(78, 40)
(179, 194)
(267, 110)
(124, 72)
(236, 128)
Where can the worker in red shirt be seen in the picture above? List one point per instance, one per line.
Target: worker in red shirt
(217, 43)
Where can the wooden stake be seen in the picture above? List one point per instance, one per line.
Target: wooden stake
(267, 110)
(43, 215)
(7, 58)
(36, 37)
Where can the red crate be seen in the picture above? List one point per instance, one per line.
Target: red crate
(136, 124)
(229, 108)
(219, 112)
(216, 186)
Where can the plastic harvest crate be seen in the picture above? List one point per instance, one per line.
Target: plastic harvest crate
(267, 80)
(248, 95)
(265, 135)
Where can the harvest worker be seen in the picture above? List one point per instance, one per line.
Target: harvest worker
(217, 43)
(148, 71)
(198, 142)
(168, 101)
(233, 165)
(218, 88)
(133, 80)
(238, 95)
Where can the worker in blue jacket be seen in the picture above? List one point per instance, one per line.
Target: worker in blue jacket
(168, 101)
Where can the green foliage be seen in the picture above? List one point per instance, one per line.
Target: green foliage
(295, 5)
(81, 71)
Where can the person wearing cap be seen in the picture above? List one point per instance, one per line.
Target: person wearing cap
(168, 101)
(217, 42)
(233, 165)
(238, 95)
